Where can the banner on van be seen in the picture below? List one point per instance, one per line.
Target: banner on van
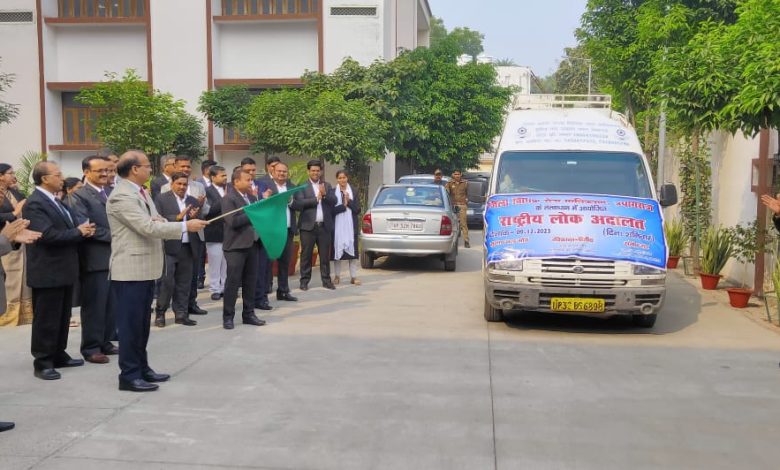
(561, 225)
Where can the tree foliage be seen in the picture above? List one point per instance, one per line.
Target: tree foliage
(135, 117)
(8, 111)
(227, 106)
(468, 41)
(571, 77)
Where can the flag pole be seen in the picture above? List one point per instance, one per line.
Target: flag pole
(226, 214)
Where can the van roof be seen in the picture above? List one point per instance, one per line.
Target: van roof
(571, 129)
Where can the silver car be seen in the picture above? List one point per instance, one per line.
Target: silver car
(410, 220)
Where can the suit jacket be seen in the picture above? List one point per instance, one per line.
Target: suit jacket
(94, 252)
(293, 215)
(196, 190)
(5, 247)
(239, 233)
(156, 185)
(53, 261)
(136, 234)
(305, 202)
(168, 207)
(215, 232)
(7, 209)
(264, 182)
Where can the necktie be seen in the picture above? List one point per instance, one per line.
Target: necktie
(143, 195)
(64, 211)
(103, 195)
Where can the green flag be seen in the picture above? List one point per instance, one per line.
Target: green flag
(269, 219)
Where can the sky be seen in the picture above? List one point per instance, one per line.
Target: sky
(531, 32)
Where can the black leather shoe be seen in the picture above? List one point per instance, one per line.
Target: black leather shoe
(137, 385)
(215, 296)
(253, 320)
(195, 310)
(328, 285)
(155, 377)
(286, 296)
(304, 286)
(111, 351)
(159, 320)
(6, 426)
(263, 306)
(227, 324)
(201, 284)
(70, 363)
(47, 374)
(185, 321)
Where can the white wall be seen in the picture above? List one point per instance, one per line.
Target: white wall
(265, 49)
(359, 37)
(180, 70)
(19, 53)
(84, 54)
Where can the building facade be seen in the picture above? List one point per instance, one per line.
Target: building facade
(57, 47)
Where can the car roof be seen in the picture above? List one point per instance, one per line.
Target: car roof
(404, 185)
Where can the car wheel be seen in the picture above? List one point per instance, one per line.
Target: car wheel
(644, 321)
(366, 260)
(493, 314)
(449, 264)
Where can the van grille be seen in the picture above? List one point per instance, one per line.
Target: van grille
(577, 282)
(577, 266)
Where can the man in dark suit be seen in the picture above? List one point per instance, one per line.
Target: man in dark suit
(214, 233)
(280, 184)
(205, 180)
(52, 269)
(181, 255)
(168, 164)
(265, 182)
(98, 322)
(240, 247)
(315, 223)
(259, 190)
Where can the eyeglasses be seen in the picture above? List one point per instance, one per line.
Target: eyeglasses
(102, 172)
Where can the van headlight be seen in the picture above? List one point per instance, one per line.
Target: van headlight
(642, 270)
(508, 265)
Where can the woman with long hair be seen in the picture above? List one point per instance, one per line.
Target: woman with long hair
(18, 295)
(346, 227)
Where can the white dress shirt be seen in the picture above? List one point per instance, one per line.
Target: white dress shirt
(320, 217)
(283, 189)
(185, 237)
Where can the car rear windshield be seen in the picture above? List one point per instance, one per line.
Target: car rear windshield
(613, 173)
(410, 196)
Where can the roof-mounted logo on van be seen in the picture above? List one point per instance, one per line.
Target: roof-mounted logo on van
(621, 133)
(523, 132)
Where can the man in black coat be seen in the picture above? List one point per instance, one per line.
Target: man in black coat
(240, 247)
(168, 164)
(52, 269)
(214, 233)
(98, 321)
(280, 184)
(315, 222)
(181, 255)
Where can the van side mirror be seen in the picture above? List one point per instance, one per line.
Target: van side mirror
(476, 191)
(668, 195)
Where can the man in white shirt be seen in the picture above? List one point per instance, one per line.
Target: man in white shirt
(281, 185)
(215, 232)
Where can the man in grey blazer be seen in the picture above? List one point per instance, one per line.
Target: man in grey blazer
(137, 257)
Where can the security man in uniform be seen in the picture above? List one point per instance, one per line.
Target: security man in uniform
(458, 190)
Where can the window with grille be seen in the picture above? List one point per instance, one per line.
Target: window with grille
(353, 11)
(16, 17)
(269, 7)
(101, 8)
(78, 121)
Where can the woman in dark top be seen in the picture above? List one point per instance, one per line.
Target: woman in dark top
(18, 295)
(346, 227)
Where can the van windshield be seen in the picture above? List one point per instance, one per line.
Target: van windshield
(613, 173)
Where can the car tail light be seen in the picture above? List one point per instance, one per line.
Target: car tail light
(446, 226)
(367, 227)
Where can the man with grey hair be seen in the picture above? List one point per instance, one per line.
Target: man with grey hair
(168, 164)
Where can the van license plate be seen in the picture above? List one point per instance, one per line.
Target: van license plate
(573, 304)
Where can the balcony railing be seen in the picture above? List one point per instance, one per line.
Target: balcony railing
(101, 9)
(277, 8)
(78, 126)
(234, 136)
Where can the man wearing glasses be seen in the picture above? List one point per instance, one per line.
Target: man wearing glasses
(98, 321)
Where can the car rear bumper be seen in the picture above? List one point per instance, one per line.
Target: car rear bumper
(407, 245)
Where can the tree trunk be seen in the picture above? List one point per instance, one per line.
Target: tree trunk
(359, 177)
(696, 240)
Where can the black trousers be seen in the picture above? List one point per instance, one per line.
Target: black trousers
(51, 320)
(241, 272)
(322, 238)
(133, 320)
(261, 284)
(176, 281)
(197, 273)
(283, 266)
(98, 320)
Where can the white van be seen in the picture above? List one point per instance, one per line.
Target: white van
(573, 223)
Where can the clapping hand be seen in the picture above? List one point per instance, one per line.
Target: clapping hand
(201, 200)
(773, 203)
(27, 236)
(12, 229)
(180, 216)
(268, 193)
(345, 197)
(87, 229)
(18, 208)
(193, 212)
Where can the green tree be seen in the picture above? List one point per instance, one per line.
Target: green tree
(135, 117)
(469, 41)
(190, 137)
(505, 62)
(438, 30)
(8, 111)
(226, 107)
(572, 76)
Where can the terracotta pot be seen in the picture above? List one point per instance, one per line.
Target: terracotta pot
(709, 281)
(671, 262)
(738, 297)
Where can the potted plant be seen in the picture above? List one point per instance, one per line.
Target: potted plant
(716, 249)
(744, 239)
(676, 239)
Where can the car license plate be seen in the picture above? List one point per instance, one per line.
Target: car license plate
(574, 304)
(469, 211)
(405, 226)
